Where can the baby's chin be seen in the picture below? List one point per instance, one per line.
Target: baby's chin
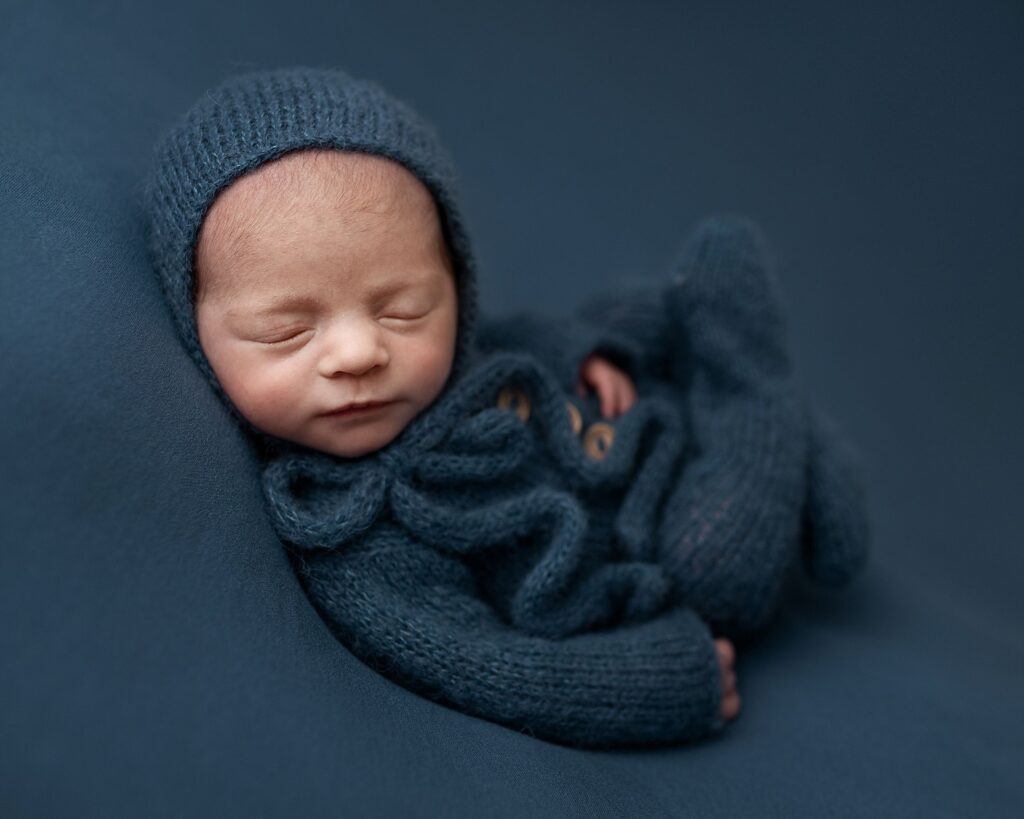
(345, 437)
(349, 451)
(352, 440)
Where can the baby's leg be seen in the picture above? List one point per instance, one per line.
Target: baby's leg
(731, 523)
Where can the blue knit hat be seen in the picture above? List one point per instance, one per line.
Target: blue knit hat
(255, 117)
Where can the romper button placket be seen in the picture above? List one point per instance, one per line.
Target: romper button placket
(598, 440)
(511, 397)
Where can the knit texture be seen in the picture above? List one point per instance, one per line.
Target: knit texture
(511, 553)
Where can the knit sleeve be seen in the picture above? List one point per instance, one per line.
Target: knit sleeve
(414, 615)
(634, 310)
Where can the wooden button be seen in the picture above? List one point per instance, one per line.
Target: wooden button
(512, 397)
(598, 440)
(574, 417)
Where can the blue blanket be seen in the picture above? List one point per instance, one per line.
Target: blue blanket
(160, 655)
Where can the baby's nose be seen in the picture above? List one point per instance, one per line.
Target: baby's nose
(352, 348)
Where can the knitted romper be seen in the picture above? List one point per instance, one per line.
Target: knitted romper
(511, 553)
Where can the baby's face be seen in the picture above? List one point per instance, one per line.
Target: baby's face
(324, 281)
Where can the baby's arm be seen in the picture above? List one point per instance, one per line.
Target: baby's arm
(414, 615)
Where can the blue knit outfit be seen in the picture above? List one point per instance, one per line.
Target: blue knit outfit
(511, 553)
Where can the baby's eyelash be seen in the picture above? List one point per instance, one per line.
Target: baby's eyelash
(283, 340)
(295, 335)
(405, 318)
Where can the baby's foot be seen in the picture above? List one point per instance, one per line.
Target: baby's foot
(730, 706)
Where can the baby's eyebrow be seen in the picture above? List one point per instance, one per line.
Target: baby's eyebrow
(301, 302)
(281, 306)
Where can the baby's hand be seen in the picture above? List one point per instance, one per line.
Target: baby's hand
(730, 706)
(613, 385)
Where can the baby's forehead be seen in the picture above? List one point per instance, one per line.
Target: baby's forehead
(340, 179)
(319, 178)
(274, 206)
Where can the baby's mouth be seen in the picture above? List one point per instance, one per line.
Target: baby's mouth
(357, 409)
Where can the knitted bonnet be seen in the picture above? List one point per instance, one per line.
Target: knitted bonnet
(255, 117)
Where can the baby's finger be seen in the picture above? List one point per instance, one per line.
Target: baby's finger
(730, 706)
(630, 396)
(725, 650)
(619, 398)
(606, 393)
(608, 401)
(620, 390)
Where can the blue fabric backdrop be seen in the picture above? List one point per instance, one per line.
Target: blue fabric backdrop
(159, 658)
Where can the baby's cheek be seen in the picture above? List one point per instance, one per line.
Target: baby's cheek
(268, 393)
(430, 364)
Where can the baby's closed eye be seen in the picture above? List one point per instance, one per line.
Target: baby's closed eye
(404, 316)
(281, 339)
(408, 308)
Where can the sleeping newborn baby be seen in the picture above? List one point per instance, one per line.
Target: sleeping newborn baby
(559, 525)
(326, 299)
